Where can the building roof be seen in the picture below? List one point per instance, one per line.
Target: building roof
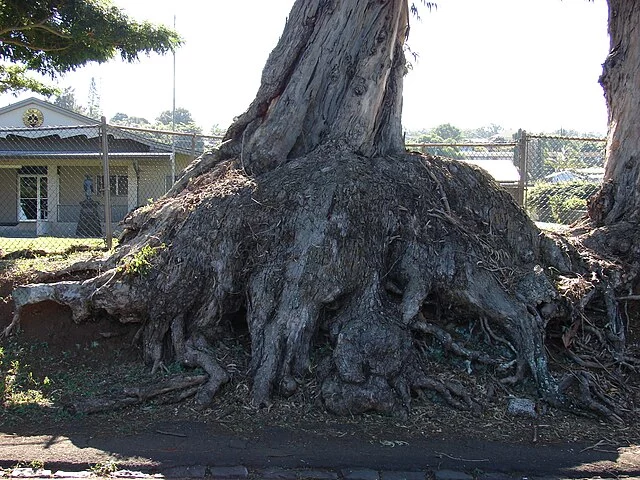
(82, 155)
(61, 125)
(592, 174)
(78, 119)
(502, 171)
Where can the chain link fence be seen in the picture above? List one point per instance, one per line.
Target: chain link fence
(562, 173)
(500, 160)
(64, 186)
(550, 176)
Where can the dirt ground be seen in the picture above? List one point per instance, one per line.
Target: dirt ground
(98, 359)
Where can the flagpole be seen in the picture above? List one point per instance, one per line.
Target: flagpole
(173, 116)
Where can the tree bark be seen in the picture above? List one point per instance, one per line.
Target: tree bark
(335, 75)
(619, 198)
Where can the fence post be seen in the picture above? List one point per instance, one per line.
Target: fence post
(193, 147)
(173, 157)
(521, 150)
(107, 184)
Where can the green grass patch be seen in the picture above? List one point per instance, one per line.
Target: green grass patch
(20, 386)
(49, 245)
(32, 255)
(25, 269)
(140, 263)
(37, 380)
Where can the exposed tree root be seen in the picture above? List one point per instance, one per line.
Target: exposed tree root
(590, 397)
(82, 297)
(24, 253)
(445, 338)
(185, 386)
(360, 251)
(83, 267)
(196, 355)
(629, 297)
(453, 394)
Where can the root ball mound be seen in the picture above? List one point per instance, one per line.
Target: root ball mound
(379, 276)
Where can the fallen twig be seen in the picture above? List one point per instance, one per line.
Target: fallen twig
(133, 396)
(596, 445)
(441, 454)
(171, 434)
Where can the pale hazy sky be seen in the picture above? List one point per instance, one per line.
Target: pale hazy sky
(531, 64)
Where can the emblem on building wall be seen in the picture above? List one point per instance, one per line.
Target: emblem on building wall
(33, 117)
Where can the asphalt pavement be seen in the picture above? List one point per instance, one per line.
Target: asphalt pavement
(196, 450)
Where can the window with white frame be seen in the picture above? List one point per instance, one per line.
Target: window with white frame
(32, 198)
(118, 185)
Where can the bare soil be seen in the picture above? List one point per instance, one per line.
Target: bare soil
(99, 352)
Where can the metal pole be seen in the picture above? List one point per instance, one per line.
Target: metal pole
(173, 112)
(173, 164)
(522, 166)
(107, 184)
(173, 116)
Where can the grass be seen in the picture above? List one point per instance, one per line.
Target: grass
(20, 387)
(37, 380)
(50, 245)
(140, 263)
(25, 270)
(104, 469)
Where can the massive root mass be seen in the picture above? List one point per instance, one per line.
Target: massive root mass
(370, 274)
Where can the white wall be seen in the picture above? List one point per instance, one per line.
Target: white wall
(52, 118)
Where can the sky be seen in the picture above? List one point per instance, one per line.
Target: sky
(531, 64)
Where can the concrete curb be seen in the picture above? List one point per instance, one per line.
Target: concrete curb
(240, 472)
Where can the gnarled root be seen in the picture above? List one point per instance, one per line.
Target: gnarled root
(590, 397)
(82, 297)
(447, 342)
(137, 395)
(198, 353)
(453, 394)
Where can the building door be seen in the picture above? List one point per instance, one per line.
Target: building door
(33, 202)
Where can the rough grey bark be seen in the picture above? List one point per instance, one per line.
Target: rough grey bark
(619, 199)
(335, 75)
(615, 209)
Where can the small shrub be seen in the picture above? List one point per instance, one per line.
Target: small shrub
(568, 210)
(104, 469)
(19, 387)
(556, 202)
(36, 465)
(139, 264)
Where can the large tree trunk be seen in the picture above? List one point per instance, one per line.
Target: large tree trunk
(335, 75)
(619, 199)
(615, 209)
(379, 273)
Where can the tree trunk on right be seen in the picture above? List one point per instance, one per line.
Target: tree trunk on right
(619, 198)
